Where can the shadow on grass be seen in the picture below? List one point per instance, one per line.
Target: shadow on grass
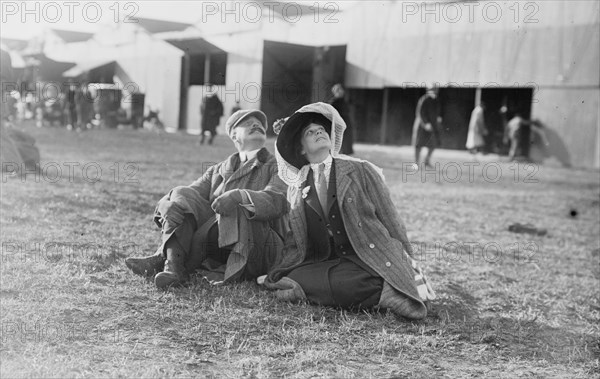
(527, 338)
(457, 304)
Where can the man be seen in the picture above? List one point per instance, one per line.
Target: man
(230, 222)
(347, 245)
(427, 125)
(211, 110)
(517, 133)
(339, 103)
(477, 130)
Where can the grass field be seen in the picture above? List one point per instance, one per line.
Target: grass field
(509, 305)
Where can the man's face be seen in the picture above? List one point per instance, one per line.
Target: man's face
(314, 139)
(250, 134)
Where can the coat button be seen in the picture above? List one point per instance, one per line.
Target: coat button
(372, 246)
(349, 199)
(343, 253)
(360, 224)
(388, 264)
(338, 232)
(333, 216)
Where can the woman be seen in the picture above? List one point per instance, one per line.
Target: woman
(347, 245)
(477, 130)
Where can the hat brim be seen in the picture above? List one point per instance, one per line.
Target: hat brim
(256, 113)
(290, 134)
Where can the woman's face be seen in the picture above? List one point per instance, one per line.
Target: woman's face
(315, 139)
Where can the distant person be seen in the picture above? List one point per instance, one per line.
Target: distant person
(427, 124)
(514, 134)
(339, 103)
(84, 107)
(230, 223)
(70, 107)
(12, 100)
(477, 130)
(152, 121)
(211, 110)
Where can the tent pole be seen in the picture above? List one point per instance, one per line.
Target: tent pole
(207, 68)
(384, 117)
(185, 86)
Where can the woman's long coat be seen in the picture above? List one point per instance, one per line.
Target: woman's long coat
(375, 230)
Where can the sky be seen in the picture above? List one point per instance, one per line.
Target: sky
(24, 20)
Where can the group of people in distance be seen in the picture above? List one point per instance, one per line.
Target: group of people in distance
(520, 134)
(306, 222)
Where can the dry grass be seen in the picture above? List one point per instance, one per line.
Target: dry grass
(70, 308)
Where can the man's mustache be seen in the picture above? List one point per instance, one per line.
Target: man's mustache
(257, 129)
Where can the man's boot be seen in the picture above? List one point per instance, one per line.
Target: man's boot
(174, 273)
(146, 266)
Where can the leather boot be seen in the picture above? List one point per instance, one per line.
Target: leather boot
(174, 273)
(146, 266)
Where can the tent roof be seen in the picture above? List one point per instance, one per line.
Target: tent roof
(14, 44)
(82, 68)
(195, 46)
(161, 26)
(72, 36)
(48, 69)
(99, 71)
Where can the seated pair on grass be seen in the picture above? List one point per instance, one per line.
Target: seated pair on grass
(346, 244)
(230, 223)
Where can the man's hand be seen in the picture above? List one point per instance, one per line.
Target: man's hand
(227, 203)
(171, 211)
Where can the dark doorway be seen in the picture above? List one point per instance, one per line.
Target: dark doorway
(457, 105)
(329, 69)
(197, 54)
(296, 75)
(367, 105)
(401, 114)
(216, 74)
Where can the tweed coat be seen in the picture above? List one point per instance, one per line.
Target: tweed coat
(372, 224)
(267, 192)
(374, 228)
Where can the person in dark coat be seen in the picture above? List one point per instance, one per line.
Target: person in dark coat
(347, 245)
(230, 223)
(7, 78)
(427, 125)
(339, 103)
(211, 110)
(84, 107)
(70, 107)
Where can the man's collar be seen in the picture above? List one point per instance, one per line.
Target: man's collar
(248, 155)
